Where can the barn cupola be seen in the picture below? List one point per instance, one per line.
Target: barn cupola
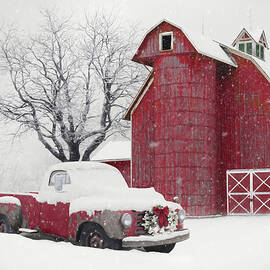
(251, 42)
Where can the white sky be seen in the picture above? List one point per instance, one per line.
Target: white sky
(223, 20)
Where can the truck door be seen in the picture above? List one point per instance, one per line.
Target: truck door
(54, 214)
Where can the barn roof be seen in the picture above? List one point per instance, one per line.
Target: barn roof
(202, 44)
(263, 66)
(113, 151)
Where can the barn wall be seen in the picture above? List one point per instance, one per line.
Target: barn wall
(123, 167)
(142, 142)
(186, 135)
(245, 119)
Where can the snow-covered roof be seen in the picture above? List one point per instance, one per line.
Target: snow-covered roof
(113, 151)
(207, 46)
(203, 44)
(262, 65)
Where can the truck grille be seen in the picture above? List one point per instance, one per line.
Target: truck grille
(139, 221)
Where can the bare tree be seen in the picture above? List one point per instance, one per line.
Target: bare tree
(70, 85)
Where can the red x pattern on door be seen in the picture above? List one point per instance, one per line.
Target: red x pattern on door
(248, 192)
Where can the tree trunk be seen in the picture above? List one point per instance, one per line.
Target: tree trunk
(93, 146)
(74, 152)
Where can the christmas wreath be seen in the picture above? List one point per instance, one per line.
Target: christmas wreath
(160, 220)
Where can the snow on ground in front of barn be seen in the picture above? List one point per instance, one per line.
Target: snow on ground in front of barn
(215, 244)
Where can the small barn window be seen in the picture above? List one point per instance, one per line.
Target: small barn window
(166, 41)
(242, 47)
(257, 50)
(249, 48)
(262, 52)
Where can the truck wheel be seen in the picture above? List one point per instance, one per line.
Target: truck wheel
(163, 248)
(94, 236)
(4, 225)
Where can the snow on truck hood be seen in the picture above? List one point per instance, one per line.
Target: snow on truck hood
(98, 186)
(128, 199)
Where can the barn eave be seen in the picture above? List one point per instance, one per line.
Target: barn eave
(147, 83)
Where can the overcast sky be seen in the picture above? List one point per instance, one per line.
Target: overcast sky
(222, 20)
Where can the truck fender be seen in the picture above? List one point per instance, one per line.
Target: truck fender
(108, 220)
(10, 208)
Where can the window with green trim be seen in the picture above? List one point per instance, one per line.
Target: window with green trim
(249, 48)
(241, 47)
(257, 50)
(262, 52)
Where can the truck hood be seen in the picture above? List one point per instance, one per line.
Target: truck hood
(117, 200)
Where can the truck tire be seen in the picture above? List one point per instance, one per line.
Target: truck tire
(163, 248)
(93, 235)
(5, 226)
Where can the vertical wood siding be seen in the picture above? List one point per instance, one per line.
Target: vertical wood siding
(143, 126)
(245, 119)
(185, 108)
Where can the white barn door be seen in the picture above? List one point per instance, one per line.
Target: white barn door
(248, 192)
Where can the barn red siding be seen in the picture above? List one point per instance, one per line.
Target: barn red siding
(123, 167)
(142, 142)
(245, 118)
(185, 109)
(174, 133)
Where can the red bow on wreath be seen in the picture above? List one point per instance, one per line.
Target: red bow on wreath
(162, 214)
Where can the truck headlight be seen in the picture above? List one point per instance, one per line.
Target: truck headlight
(126, 220)
(181, 215)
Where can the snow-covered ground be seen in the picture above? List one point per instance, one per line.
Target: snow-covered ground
(216, 243)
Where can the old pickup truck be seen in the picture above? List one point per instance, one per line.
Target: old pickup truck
(89, 203)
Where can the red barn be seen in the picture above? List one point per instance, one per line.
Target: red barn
(200, 122)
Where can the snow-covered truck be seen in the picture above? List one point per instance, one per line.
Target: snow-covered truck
(89, 203)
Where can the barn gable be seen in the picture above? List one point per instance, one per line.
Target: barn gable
(263, 40)
(251, 42)
(182, 41)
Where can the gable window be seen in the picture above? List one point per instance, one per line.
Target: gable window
(262, 52)
(166, 41)
(257, 50)
(249, 48)
(241, 47)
